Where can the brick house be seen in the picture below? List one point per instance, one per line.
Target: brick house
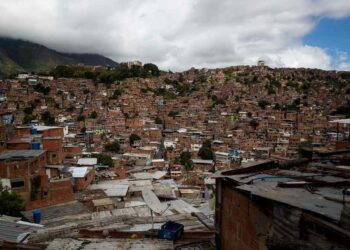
(21, 167)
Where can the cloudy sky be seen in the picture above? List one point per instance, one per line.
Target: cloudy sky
(178, 34)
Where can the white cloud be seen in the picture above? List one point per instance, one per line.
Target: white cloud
(177, 34)
(344, 66)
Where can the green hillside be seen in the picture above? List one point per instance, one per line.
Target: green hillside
(7, 66)
(18, 55)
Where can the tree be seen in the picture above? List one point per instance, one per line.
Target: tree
(89, 75)
(263, 103)
(80, 118)
(150, 68)
(254, 123)
(11, 204)
(47, 118)
(188, 167)
(113, 147)
(41, 89)
(277, 106)
(70, 108)
(159, 120)
(118, 92)
(207, 143)
(104, 103)
(63, 71)
(93, 115)
(83, 130)
(29, 110)
(173, 113)
(205, 152)
(104, 159)
(136, 70)
(185, 160)
(133, 138)
(28, 118)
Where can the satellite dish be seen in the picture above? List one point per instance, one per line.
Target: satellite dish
(153, 202)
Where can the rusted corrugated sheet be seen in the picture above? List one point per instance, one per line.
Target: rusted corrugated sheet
(285, 223)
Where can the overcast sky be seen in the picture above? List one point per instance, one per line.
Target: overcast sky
(179, 34)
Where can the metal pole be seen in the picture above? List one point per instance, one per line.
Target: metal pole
(152, 219)
(337, 131)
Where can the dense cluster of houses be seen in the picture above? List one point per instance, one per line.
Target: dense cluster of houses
(68, 141)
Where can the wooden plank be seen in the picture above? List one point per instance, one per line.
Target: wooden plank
(153, 202)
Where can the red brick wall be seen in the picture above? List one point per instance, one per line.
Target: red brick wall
(82, 183)
(159, 165)
(72, 150)
(18, 146)
(13, 169)
(155, 135)
(20, 132)
(53, 132)
(25, 169)
(239, 221)
(58, 192)
(202, 167)
(2, 132)
(121, 172)
(54, 150)
(342, 145)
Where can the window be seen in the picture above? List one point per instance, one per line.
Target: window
(17, 183)
(45, 193)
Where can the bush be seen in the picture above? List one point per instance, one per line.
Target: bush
(47, 118)
(173, 113)
(104, 159)
(41, 89)
(93, 115)
(28, 118)
(205, 152)
(113, 147)
(133, 138)
(80, 118)
(159, 120)
(11, 204)
(263, 103)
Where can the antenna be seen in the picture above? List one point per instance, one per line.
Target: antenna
(154, 204)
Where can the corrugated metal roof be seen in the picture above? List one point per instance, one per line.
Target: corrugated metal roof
(139, 185)
(149, 176)
(114, 188)
(297, 197)
(102, 202)
(20, 154)
(159, 174)
(200, 161)
(42, 127)
(79, 172)
(343, 121)
(57, 211)
(14, 232)
(143, 176)
(109, 244)
(87, 161)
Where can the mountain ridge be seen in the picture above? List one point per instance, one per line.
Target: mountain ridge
(18, 55)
